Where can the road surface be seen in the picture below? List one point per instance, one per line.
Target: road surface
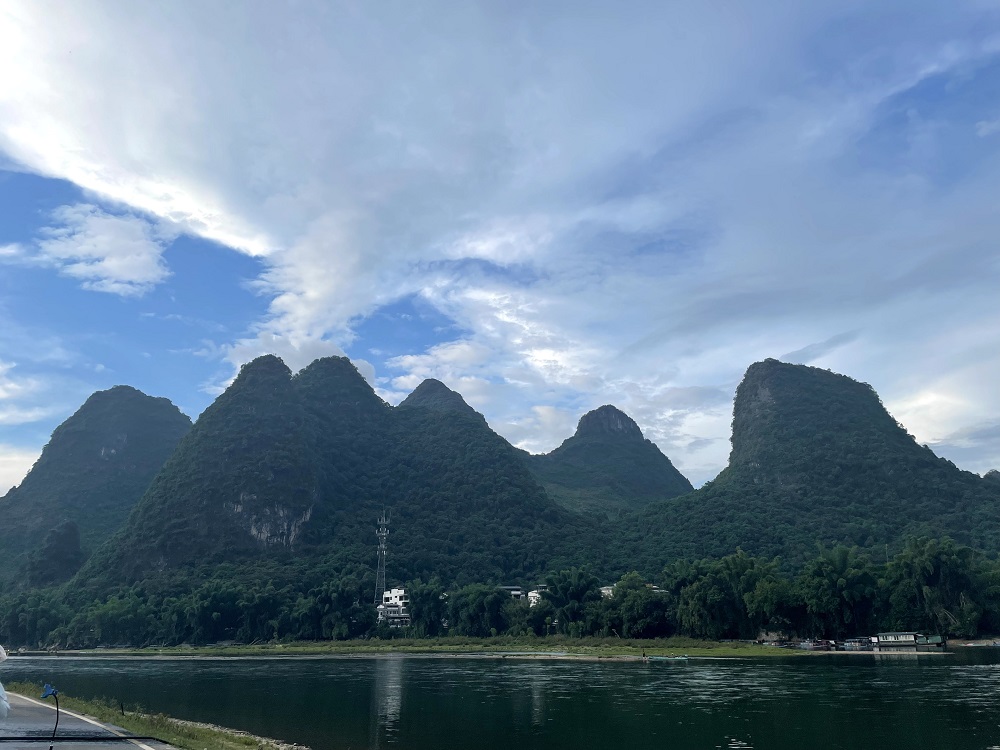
(29, 727)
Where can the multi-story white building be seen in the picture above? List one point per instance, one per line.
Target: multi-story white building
(394, 608)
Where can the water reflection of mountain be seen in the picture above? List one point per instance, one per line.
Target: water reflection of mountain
(387, 701)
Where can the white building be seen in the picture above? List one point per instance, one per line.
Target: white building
(394, 608)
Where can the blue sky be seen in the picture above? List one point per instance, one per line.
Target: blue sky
(547, 206)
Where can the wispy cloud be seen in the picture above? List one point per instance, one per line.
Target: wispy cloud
(14, 465)
(812, 352)
(622, 205)
(12, 387)
(21, 397)
(120, 254)
(986, 128)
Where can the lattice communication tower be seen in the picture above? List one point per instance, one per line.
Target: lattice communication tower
(383, 537)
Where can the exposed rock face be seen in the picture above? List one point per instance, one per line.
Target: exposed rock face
(284, 468)
(243, 479)
(433, 394)
(271, 526)
(607, 420)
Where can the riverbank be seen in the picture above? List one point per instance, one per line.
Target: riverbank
(542, 648)
(187, 735)
(555, 647)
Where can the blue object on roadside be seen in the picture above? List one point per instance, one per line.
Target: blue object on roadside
(48, 691)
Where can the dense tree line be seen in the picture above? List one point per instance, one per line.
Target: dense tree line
(933, 586)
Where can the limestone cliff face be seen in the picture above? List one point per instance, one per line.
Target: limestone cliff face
(284, 468)
(271, 525)
(242, 481)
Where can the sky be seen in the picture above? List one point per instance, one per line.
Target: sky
(547, 206)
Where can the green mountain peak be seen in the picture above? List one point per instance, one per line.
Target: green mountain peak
(608, 421)
(433, 394)
(607, 466)
(816, 458)
(94, 468)
(335, 385)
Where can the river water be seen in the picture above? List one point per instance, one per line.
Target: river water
(415, 703)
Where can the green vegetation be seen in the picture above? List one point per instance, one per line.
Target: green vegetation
(259, 528)
(607, 467)
(816, 458)
(933, 586)
(96, 466)
(554, 646)
(182, 734)
(292, 471)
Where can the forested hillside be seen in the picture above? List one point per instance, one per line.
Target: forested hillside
(829, 519)
(97, 464)
(297, 469)
(607, 467)
(817, 458)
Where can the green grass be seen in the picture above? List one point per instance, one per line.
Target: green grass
(135, 721)
(553, 645)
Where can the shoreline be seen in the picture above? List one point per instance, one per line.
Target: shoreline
(178, 733)
(583, 649)
(569, 653)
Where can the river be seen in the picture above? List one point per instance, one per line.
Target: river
(414, 703)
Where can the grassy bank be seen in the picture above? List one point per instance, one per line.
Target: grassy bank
(182, 734)
(552, 646)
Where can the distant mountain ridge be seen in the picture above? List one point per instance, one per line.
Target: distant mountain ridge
(95, 467)
(607, 466)
(284, 467)
(289, 472)
(816, 458)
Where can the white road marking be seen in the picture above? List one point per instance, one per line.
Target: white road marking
(81, 717)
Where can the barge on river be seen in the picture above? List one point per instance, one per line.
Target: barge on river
(906, 641)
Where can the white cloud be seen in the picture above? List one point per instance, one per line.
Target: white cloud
(622, 206)
(119, 254)
(15, 463)
(10, 251)
(986, 128)
(20, 397)
(11, 387)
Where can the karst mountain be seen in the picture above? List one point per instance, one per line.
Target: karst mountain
(286, 472)
(96, 466)
(817, 459)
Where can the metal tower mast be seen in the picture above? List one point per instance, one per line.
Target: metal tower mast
(383, 535)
